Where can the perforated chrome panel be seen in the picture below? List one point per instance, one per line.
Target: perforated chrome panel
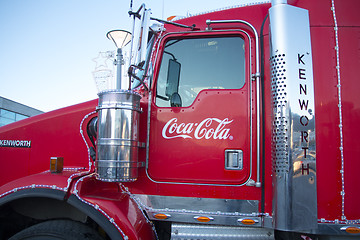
(280, 123)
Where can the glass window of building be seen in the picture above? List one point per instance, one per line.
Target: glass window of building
(7, 117)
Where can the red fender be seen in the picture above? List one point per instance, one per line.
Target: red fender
(116, 205)
(106, 203)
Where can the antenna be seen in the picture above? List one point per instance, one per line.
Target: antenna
(162, 14)
(131, 4)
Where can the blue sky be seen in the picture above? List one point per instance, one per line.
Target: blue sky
(47, 46)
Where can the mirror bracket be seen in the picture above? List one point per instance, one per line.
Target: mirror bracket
(175, 100)
(132, 74)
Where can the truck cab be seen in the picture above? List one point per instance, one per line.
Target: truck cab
(232, 127)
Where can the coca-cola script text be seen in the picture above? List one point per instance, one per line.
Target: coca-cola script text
(209, 128)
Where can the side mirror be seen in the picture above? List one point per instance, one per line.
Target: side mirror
(173, 77)
(175, 100)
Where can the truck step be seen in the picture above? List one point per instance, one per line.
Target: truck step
(215, 232)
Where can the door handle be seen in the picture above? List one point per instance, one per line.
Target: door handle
(233, 159)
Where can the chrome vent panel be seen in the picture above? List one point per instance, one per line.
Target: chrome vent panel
(280, 128)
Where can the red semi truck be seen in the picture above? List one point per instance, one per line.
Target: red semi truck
(238, 124)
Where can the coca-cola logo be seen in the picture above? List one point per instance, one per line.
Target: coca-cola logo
(209, 128)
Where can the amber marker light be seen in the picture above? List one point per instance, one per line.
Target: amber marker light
(247, 221)
(170, 18)
(203, 219)
(351, 230)
(161, 216)
(56, 164)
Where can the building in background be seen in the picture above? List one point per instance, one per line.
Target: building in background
(11, 111)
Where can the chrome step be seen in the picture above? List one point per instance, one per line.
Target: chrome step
(214, 232)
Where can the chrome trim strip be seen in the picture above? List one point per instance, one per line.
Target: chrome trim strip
(256, 75)
(248, 181)
(184, 209)
(149, 100)
(293, 141)
(210, 205)
(119, 106)
(337, 221)
(33, 186)
(120, 142)
(334, 229)
(148, 135)
(209, 22)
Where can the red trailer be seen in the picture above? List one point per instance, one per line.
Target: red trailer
(239, 124)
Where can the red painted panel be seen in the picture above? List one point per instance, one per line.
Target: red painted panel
(45, 180)
(53, 134)
(195, 158)
(253, 14)
(15, 162)
(347, 12)
(349, 40)
(327, 114)
(118, 206)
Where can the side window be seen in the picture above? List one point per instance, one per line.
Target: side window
(191, 65)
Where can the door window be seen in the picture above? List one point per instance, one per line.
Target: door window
(191, 65)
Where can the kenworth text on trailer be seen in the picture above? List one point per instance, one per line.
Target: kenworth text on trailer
(238, 124)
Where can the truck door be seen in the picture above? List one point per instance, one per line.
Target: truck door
(200, 117)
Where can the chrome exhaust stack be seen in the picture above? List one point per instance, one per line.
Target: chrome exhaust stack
(119, 110)
(118, 123)
(293, 117)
